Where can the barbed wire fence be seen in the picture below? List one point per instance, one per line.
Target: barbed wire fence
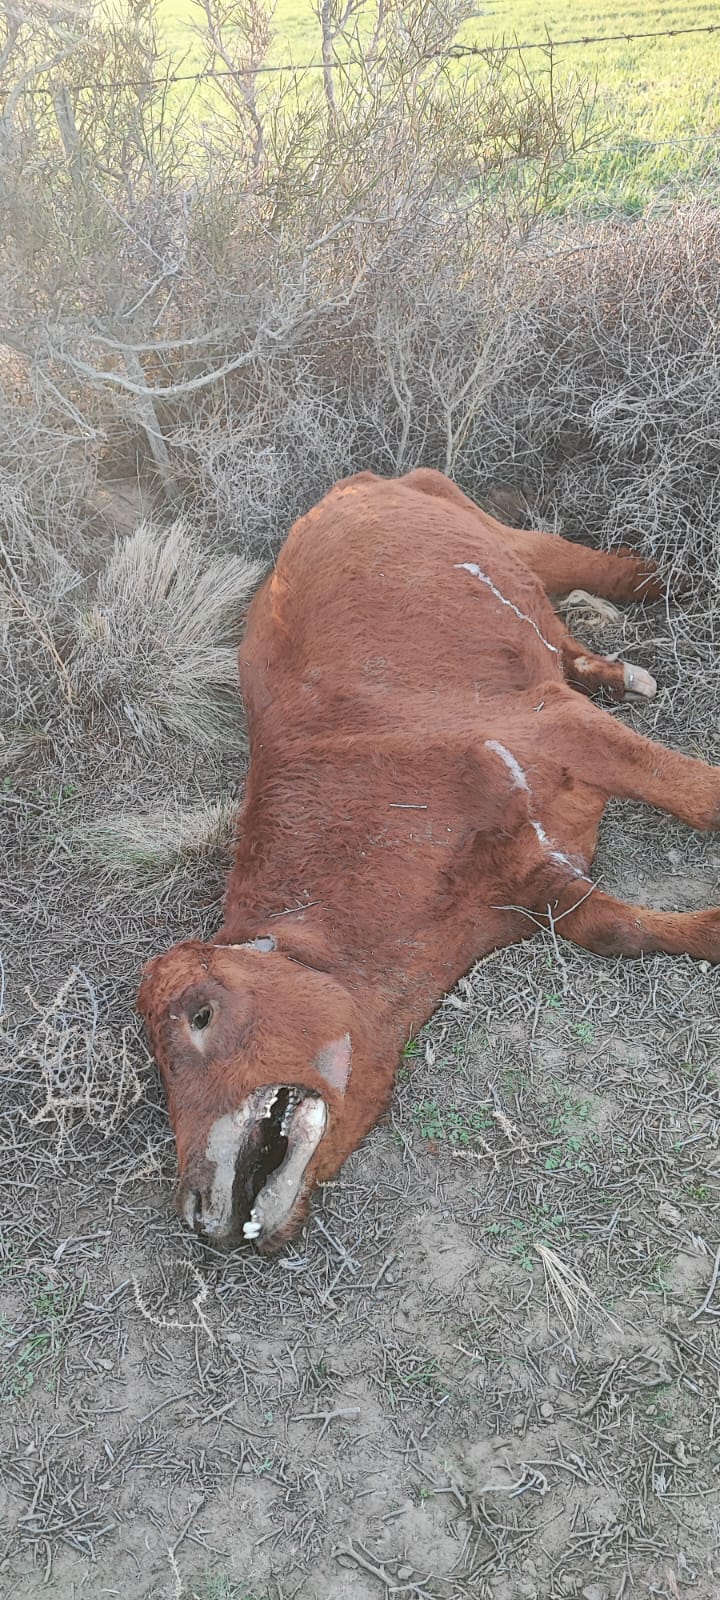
(460, 52)
(456, 52)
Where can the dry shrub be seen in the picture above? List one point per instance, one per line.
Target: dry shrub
(330, 271)
(147, 248)
(227, 298)
(71, 1072)
(612, 380)
(583, 368)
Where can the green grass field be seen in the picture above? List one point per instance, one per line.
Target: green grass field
(657, 99)
(656, 120)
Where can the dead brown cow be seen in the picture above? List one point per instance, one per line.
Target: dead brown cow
(421, 767)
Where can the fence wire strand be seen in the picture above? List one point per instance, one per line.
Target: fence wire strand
(457, 52)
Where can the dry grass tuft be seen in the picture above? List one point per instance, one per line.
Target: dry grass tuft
(146, 648)
(156, 649)
(152, 846)
(569, 1294)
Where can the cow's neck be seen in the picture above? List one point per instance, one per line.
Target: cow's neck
(390, 998)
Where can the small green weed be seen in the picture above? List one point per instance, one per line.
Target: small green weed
(569, 1125)
(520, 1233)
(658, 1405)
(660, 1277)
(569, 1158)
(419, 1376)
(218, 1585)
(450, 1124)
(24, 1351)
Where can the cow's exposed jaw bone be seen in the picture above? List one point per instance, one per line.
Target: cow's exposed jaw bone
(303, 1125)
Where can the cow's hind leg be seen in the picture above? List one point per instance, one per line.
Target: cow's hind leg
(560, 564)
(597, 749)
(599, 922)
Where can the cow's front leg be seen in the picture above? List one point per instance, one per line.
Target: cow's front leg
(597, 748)
(593, 674)
(611, 927)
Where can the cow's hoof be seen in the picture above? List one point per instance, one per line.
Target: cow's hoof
(639, 685)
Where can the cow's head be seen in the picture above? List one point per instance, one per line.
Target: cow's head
(255, 1051)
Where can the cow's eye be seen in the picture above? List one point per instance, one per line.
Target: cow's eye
(201, 1018)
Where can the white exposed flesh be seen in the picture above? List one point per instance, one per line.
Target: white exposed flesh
(223, 1144)
(520, 781)
(471, 566)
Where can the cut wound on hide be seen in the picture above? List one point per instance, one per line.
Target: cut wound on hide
(333, 1063)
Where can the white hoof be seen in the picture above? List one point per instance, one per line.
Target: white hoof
(639, 685)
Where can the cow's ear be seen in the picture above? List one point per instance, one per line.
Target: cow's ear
(146, 974)
(334, 1061)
